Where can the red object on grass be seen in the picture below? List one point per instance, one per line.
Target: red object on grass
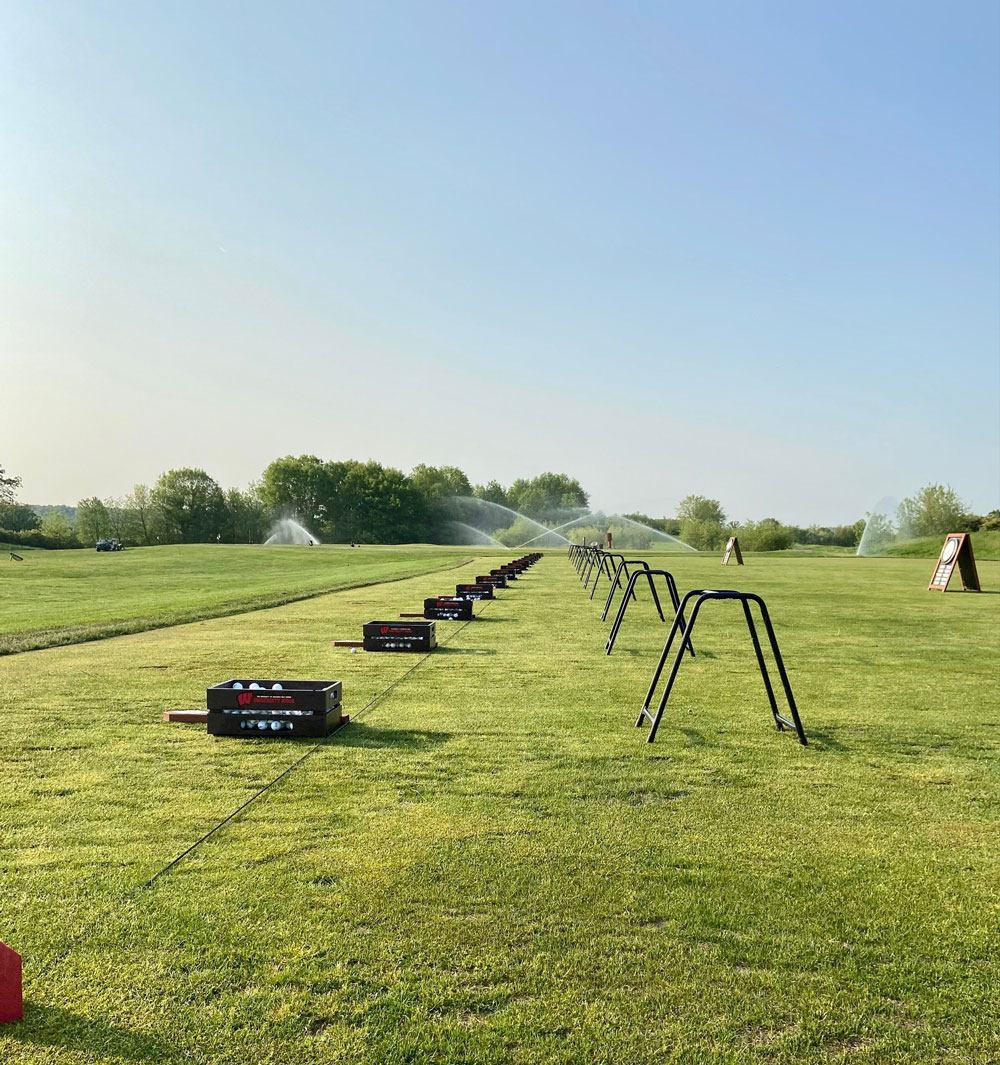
(11, 1000)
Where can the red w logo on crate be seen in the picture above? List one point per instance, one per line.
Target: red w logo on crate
(245, 698)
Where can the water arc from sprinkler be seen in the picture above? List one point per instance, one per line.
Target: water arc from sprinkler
(605, 520)
(290, 531)
(480, 538)
(489, 513)
(565, 524)
(881, 527)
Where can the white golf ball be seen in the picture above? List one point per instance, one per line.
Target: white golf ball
(275, 725)
(354, 650)
(236, 684)
(276, 688)
(255, 685)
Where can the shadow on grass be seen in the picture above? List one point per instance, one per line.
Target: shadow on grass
(463, 651)
(652, 655)
(361, 735)
(824, 741)
(694, 737)
(60, 1029)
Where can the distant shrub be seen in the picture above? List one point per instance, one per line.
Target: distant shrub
(37, 538)
(630, 537)
(831, 535)
(583, 534)
(520, 532)
(703, 534)
(666, 525)
(766, 535)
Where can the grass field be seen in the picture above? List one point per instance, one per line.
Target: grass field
(60, 597)
(489, 865)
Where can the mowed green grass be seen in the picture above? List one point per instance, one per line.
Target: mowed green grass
(60, 597)
(490, 865)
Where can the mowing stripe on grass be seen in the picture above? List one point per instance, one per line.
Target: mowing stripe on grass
(20, 642)
(124, 900)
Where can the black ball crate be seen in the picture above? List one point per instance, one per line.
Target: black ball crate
(475, 592)
(399, 636)
(497, 580)
(449, 608)
(274, 708)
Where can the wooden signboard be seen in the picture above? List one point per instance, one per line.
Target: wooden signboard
(957, 551)
(733, 547)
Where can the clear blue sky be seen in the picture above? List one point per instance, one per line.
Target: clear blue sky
(749, 250)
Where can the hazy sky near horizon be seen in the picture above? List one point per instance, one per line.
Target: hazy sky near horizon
(746, 250)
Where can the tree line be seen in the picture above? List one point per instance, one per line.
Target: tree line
(366, 502)
(934, 510)
(339, 501)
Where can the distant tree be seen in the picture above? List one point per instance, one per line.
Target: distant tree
(440, 482)
(990, 522)
(91, 521)
(59, 530)
(493, 492)
(702, 522)
(247, 516)
(139, 504)
(302, 487)
(190, 506)
(121, 521)
(934, 510)
(378, 504)
(547, 496)
(18, 518)
(344, 501)
(8, 486)
(700, 508)
(702, 534)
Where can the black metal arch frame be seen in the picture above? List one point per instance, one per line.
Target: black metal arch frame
(630, 591)
(597, 561)
(580, 554)
(623, 568)
(679, 624)
(606, 567)
(593, 559)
